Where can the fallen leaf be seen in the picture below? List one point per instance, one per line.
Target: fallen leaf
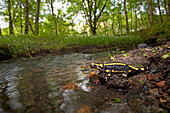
(160, 84)
(84, 109)
(153, 91)
(84, 66)
(150, 77)
(165, 56)
(116, 100)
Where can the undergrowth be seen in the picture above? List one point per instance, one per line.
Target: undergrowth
(28, 44)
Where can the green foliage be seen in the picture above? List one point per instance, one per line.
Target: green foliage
(166, 55)
(157, 34)
(29, 45)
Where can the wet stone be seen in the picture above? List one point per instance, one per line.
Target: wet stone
(116, 81)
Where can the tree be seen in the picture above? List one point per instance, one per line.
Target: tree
(53, 15)
(127, 26)
(90, 8)
(37, 16)
(150, 12)
(160, 14)
(0, 32)
(20, 8)
(11, 32)
(168, 8)
(26, 16)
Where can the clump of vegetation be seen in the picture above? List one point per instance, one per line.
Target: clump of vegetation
(157, 34)
(4, 52)
(28, 46)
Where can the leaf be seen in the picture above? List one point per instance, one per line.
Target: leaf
(117, 100)
(111, 58)
(160, 84)
(165, 56)
(163, 46)
(150, 77)
(109, 55)
(122, 51)
(144, 54)
(125, 55)
(141, 81)
(153, 51)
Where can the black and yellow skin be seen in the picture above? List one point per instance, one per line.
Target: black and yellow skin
(117, 67)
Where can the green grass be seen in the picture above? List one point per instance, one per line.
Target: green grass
(28, 45)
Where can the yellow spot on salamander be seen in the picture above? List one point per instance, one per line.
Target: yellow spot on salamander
(107, 70)
(101, 65)
(133, 67)
(124, 75)
(106, 78)
(114, 64)
(130, 71)
(109, 75)
(142, 69)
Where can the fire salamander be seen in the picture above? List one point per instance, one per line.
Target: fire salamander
(117, 67)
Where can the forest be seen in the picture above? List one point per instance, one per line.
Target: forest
(108, 17)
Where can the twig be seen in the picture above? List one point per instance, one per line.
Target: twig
(131, 104)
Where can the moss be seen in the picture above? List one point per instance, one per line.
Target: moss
(157, 34)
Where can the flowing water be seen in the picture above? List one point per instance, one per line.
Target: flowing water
(35, 86)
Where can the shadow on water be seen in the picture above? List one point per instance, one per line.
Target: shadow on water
(33, 86)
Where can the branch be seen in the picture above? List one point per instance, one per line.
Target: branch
(101, 10)
(85, 13)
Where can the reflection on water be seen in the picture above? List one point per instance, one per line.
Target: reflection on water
(33, 86)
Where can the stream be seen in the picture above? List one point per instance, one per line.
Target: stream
(34, 86)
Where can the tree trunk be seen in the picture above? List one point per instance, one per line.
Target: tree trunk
(119, 31)
(127, 26)
(160, 14)
(113, 26)
(121, 24)
(26, 17)
(150, 12)
(0, 32)
(53, 15)
(168, 9)
(32, 30)
(37, 16)
(10, 18)
(21, 16)
(141, 19)
(92, 16)
(131, 16)
(165, 8)
(136, 23)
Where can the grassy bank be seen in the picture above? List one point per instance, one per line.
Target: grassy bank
(27, 46)
(157, 34)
